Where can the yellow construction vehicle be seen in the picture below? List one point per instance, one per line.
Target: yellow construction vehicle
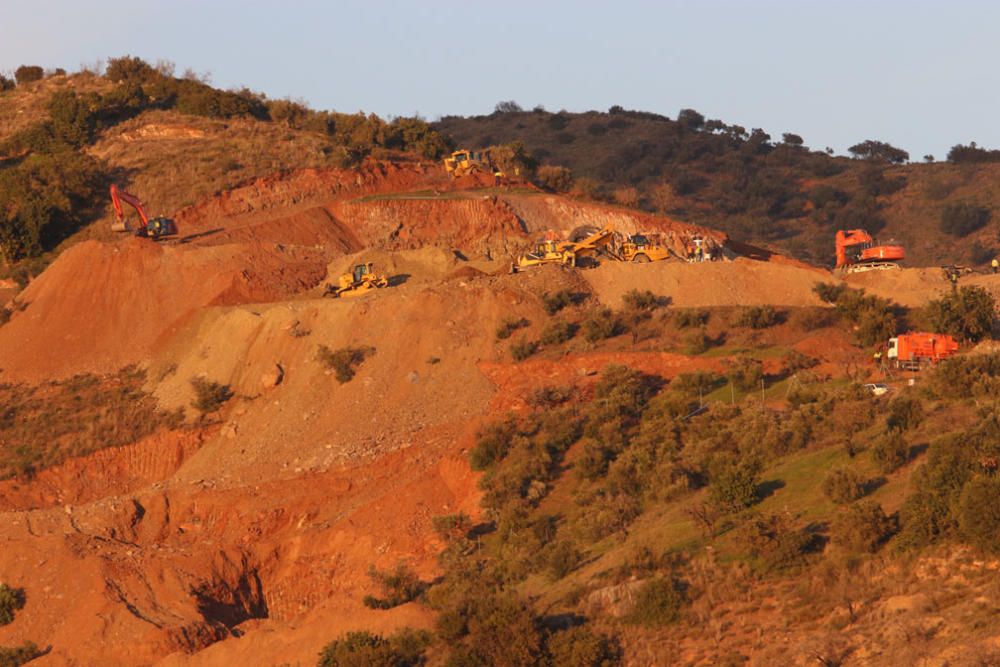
(361, 280)
(639, 248)
(463, 162)
(549, 251)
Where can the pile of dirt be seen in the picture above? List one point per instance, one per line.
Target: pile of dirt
(100, 307)
(737, 283)
(915, 287)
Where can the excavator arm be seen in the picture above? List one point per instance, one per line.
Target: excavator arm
(119, 196)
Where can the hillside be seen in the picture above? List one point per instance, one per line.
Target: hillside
(205, 459)
(766, 190)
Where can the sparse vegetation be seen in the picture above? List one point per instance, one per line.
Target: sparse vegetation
(344, 361)
(11, 600)
(862, 527)
(557, 301)
(659, 601)
(967, 313)
(843, 485)
(49, 423)
(602, 323)
(523, 348)
(509, 325)
(397, 586)
(209, 396)
(19, 655)
(962, 218)
(364, 649)
(686, 318)
(558, 332)
(757, 317)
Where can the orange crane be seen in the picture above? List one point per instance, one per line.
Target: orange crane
(858, 251)
(154, 228)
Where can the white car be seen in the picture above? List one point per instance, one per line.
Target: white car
(878, 389)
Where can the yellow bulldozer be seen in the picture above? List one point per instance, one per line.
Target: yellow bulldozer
(639, 248)
(360, 280)
(463, 162)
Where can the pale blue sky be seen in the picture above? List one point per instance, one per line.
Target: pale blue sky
(921, 75)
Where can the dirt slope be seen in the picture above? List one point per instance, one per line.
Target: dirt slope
(915, 287)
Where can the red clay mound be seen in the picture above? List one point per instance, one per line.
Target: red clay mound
(101, 307)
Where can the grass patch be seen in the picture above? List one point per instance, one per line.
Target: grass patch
(42, 426)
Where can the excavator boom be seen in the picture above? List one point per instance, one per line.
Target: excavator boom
(119, 196)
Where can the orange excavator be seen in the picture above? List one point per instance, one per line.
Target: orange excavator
(858, 251)
(153, 228)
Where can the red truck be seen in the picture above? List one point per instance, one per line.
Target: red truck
(912, 351)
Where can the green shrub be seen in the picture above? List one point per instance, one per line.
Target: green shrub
(6, 84)
(209, 395)
(129, 69)
(397, 587)
(696, 342)
(509, 325)
(558, 332)
(582, 647)
(776, 542)
(831, 293)
(745, 373)
(11, 600)
(28, 73)
(793, 361)
(562, 559)
(843, 486)
(966, 313)
(553, 303)
(523, 348)
(19, 655)
(862, 527)
(493, 443)
(555, 178)
(659, 601)
(644, 300)
(685, 318)
(979, 513)
(549, 397)
(451, 527)
(732, 484)
(757, 317)
(364, 649)
(891, 451)
(905, 412)
(344, 361)
(602, 323)
(698, 383)
(962, 218)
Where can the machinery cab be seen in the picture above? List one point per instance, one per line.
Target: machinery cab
(159, 227)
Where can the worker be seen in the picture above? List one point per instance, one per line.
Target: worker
(877, 357)
(995, 265)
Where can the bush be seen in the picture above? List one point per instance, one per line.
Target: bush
(843, 486)
(686, 318)
(644, 300)
(732, 484)
(966, 313)
(6, 84)
(509, 325)
(344, 362)
(979, 513)
(11, 600)
(862, 527)
(451, 527)
(493, 442)
(757, 317)
(209, 396)
(555, 178)
(905, 412)
(28, 73)
(549, 397)
(602, 323)
(553, 303)
(562, 559)
(21, 655)
(745, 373)
(659, 601)
(891, 452)
(776, 542)
(696, 342)
(522, 349)
(961, 219)
(397, 587)
(582, 647)
(557, 333)
(364, 649)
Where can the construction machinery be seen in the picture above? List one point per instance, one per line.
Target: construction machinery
(463, 162)
(590, 244)
(858, 251)
(912, 351)
(154, 228)
(360, 280)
